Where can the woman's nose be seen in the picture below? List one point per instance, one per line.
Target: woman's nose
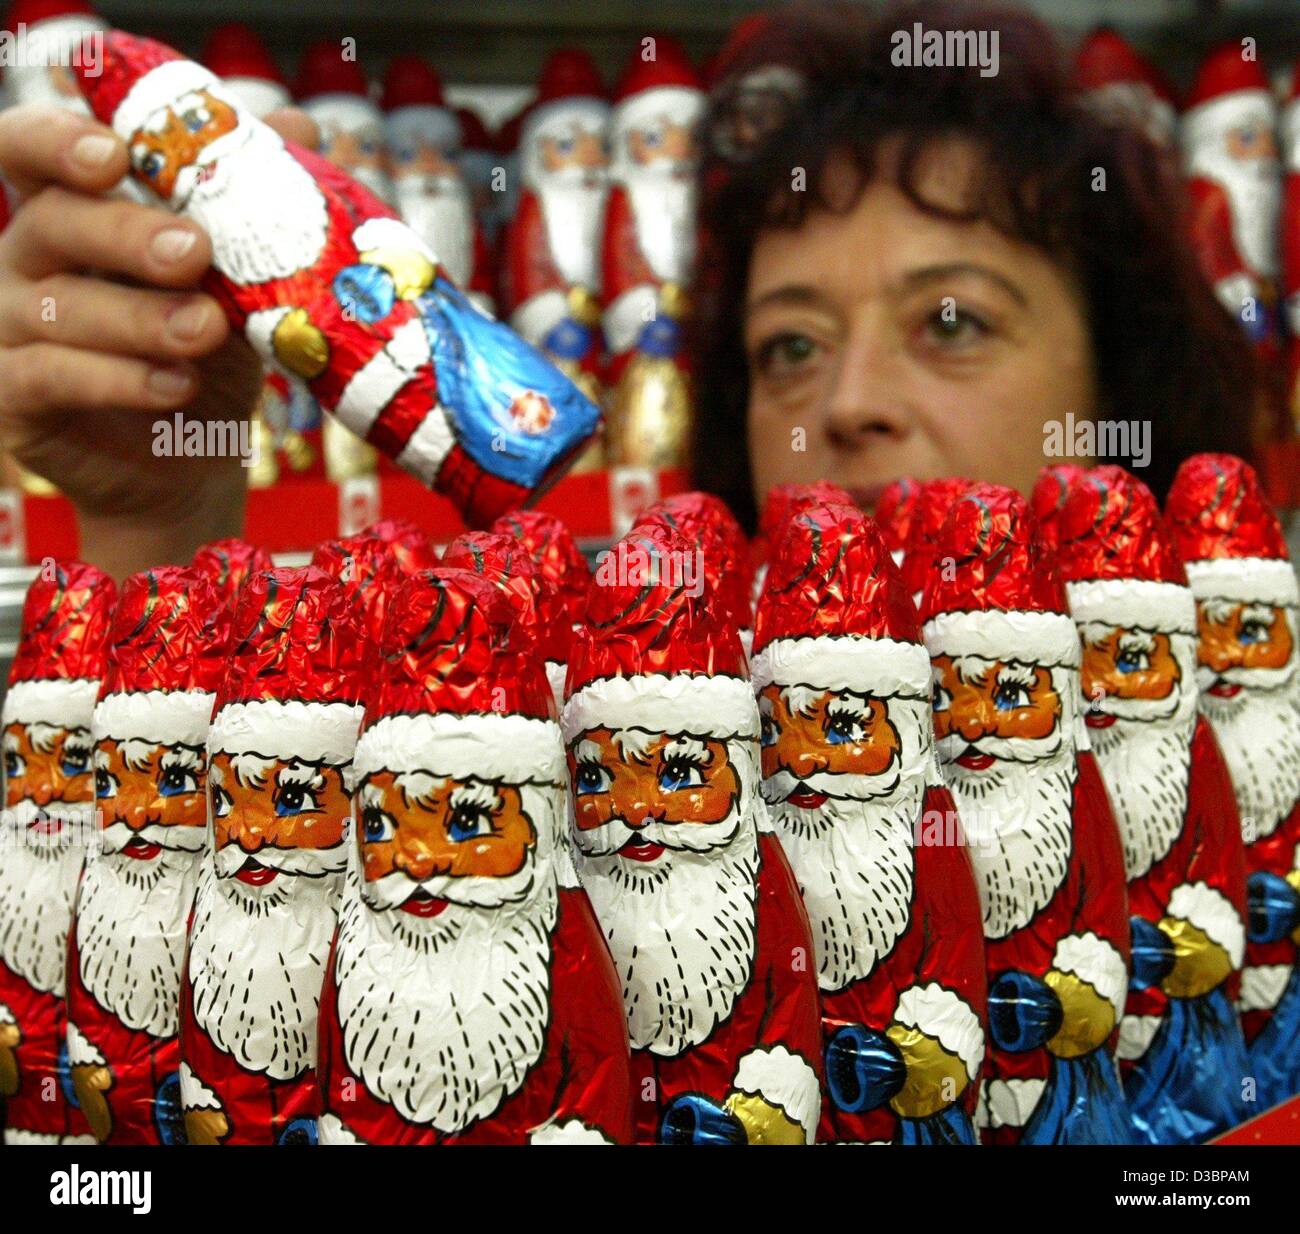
(866, 406)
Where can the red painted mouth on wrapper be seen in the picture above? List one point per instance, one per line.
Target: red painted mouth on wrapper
(255, 874)
(422, 904)
(46, 825)
(806, 799)
(973, 760)
(1097, 719)
(141, 850)
(637, 849)
(1224, 689)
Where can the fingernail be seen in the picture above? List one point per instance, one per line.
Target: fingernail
(93, 150)
(188, 321)
(170, 383)
(172, 244)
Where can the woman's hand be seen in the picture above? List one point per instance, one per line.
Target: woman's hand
(103, 333)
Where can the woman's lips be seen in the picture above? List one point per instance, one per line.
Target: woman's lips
(141, 850)
(806, 799)
(421, 904)
(255, 874)
(1225, 689)
(1098, 719)
(636, 849)
(973, 760)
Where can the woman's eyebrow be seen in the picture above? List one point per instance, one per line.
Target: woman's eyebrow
(930, 274)
(790, 293)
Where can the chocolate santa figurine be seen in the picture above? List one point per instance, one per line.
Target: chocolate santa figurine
(1181, 1051)
(1124, 87)
(1043, 842)
(469, 997)
(279, 783)
(1234, 182)
(648, 255)
(709, 937)
(167, 652)
(332, 289)
(852, 787)
(422, 138)
(1247, 599)
(895, 509)
(44, 833)
(228, 563)
(551, 274)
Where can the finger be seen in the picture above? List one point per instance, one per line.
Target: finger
(41, 144)
(295, 125)
(89, 312)
(47, 377)
(58, 230)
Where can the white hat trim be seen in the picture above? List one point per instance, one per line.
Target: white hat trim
(682, 104)
(313, 732)
(1096, 961)
(1247, 580)
(592, 111)
(160, 717)
(1131, 602)
(722, 707)
(160, 87)
(991, 634)
(511, 749)
(943, 1015)
(67, 703)
(345, 110)
(1204, 121)
(1210, 911)
(879, 666)
(783, 1079)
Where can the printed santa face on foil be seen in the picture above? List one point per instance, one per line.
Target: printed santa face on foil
(174, 144)
(151, 797)
(47, 766)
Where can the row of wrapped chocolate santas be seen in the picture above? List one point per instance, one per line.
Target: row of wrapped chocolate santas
(687, 802)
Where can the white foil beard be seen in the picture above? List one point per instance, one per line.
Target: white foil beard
(131, 918)
(663, 210)
(444, 1018)
(1018, 819)
(573, 214)
(38, 883)
(257, 963)
(1254, 189)
(1259, 734)
(440, 211)
(853, 860)
(681, 931)
(266, 215)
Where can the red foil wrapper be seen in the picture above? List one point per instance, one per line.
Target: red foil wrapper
(933, 502)
(894, 513)
(556, 553)
(49, 790)
(279, 780)
(783, 502)
(228, 563)
(691, 889)
(1185, 1058)
(1247, 600)
(850, 782)
(168, 647)
(469, 996)
(330, 287)
(1044, 844)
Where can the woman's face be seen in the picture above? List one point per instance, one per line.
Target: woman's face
(885, 341)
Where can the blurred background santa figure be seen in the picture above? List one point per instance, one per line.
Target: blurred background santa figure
(648, 254)
(429, 188)
(1121, 84)
(1290, 130)
(551, 273)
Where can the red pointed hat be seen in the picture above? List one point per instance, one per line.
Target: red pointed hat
(136, 77)
(540, 615)
(371, 565)
(1106, 58)
(323, 70)
(62, 647)
(411, 81)
(669, 67)
(167, 654)
(933, 501)
(44, 18)
(653, 651)
(236, 50)
(555, 552)
(784, 501)
(992, 591)
(1116, 556)
(704, 521)
(569, 72)
(1048, 498)
(298, 655)
(1227, 534)
(834, 611)
(228, 563)
(1226, 71)
(456, 695)
(895, 511)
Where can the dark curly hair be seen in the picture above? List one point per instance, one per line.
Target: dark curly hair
(1163, 347)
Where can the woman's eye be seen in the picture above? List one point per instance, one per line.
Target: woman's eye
(785, 354)
(294, 799)
(679, 773)
(590, 778)
(468, 822)
(954, 327)
(177, 780)
(1009, 695)
(842, 730)
(221, 803)
(105, 784)
(376, 826)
